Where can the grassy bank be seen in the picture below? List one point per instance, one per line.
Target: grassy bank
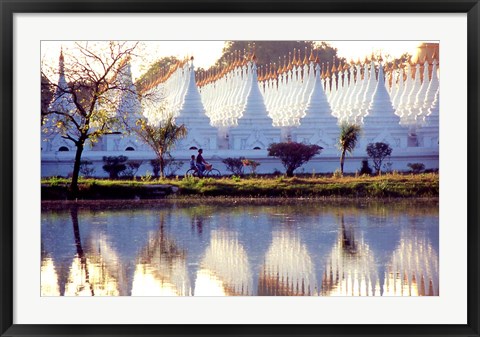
(386, 186)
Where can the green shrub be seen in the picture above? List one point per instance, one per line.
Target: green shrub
(86, 168)
(234, 165)
(416, 167)
(114, 165)
(132, 168)
(365, 169)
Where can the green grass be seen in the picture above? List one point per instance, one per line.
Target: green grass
(385, 186)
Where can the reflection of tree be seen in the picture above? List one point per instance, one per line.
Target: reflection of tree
(197, 224)
(224, 269)
(288, 268)
(93, 274)
(351, 268)
(80, 253)
(161, 267)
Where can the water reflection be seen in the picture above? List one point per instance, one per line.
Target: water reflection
(99, 274)
(161, 268)
(241, 250)
(351, 269)
(288, 269)
(224, 269)
(49, 280)
(413, 270)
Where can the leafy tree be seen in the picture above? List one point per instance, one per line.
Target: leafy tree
(161, 138)
(155, 70)
(84, 106)
(378, 152)
(349, 134)
(114, 165)
(234, 165)
(275, 51)
(293, 155)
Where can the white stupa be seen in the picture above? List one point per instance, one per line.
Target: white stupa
(381, 124)
(200, 134)
(318, 126)
(129, 111)
(254, 129)
(62, 102)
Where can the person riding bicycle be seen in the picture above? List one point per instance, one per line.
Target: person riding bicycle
(201, 163)
(192, 163)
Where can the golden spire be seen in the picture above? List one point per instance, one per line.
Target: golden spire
(317, 59)
(289, 66)
(299, 60)
(334, 68)
(322, 74)
(305, 59)
(294, 60)
(327, 74)
(312, 57)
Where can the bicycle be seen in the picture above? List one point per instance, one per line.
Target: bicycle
(209, 173)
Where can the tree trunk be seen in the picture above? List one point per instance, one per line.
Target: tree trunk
(162, 166)
(290, 172)
(76, 171)
(342, 161)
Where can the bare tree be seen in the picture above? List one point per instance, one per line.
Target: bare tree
(87, 94)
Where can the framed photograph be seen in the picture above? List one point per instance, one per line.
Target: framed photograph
(234, 168)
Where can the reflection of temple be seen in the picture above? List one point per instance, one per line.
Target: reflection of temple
(161, 269)
(288, 269)
(414, 268)
(96, 273)
(351, 268)
(224, 269)
(49, 281)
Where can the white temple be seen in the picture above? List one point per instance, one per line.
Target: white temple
(243, 108)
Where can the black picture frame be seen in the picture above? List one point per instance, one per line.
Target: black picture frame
(9, 8)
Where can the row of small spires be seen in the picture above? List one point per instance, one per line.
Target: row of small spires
(235, 60)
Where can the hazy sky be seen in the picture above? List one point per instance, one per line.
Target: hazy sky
(207, 52)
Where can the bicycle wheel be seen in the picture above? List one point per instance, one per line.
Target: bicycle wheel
(191, 173)
(214, 173)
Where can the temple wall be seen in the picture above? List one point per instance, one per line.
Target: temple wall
(61, 163)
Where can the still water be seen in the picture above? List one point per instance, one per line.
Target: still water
(280, 248)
